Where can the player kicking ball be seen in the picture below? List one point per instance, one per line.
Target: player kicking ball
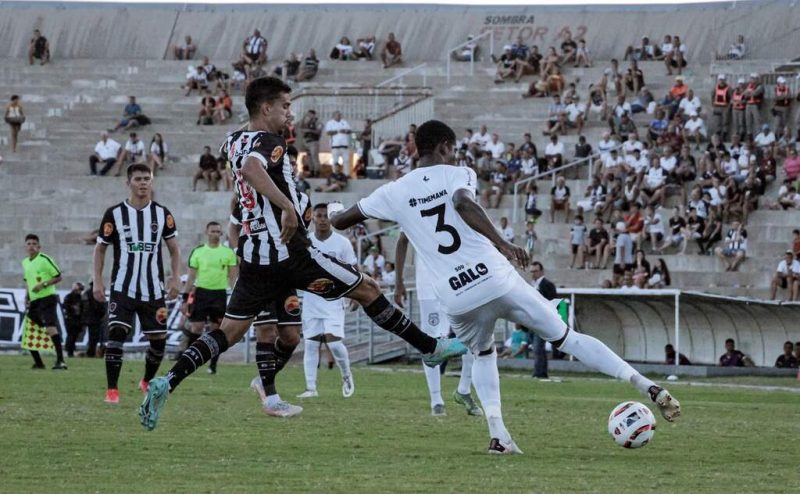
(435, 323)
(276, 254)
(436, 208)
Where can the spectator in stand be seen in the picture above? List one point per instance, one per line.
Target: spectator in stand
(781, 105)
(224, 108)
(765, 139)
(789, 199)
(528, 164)
(505, 65)
(336, 182)
(498, 180)
(582, 55)
(310, 130)
(496, 147)
(343, 50)
(643, 102)
(676, 236)
(634, 78)
(695, 129)
(582, 148)
(654, 183)
(665, 48)
(528, 145)
(690, 104)
(623, 257)
(659, 276)
(735, 247)
(577, 240)
(133, 152)
(468, 52)
(555, 81)
(366, 47)
(753, 96)
(226, 176)
(787, 276)
(196, 80)
(676, 59)
(254, 50)
(669, 356)
(207, 170)
(641, 269)
(529, 65)
(791, 165)
(289, 68)
(658, 126)
(479, 141)
(595, 198)
(14, 116)
(711, 234)
(530, 236)
(392, 52)
(796, 243)
(738, 49)
(132, 116)
(733, 357)
(551, 60)
(158, 153)
(634, 224)
(106, 151)
(531, 201)
(309, 67)
(559, 199)
(207, 109)
(554, 153)
(186, 50)
(787, 360)
(569, 48)
(645, 51)
(506, 230)
(339, 131)
(39, 48)
(598, 246)
(556, 117)
(654, 228)
(374, 263)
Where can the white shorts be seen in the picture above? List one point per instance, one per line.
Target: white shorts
(432, 317)
(523, 305)
(317, 327)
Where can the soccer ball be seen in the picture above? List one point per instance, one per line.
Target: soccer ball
(631, 424)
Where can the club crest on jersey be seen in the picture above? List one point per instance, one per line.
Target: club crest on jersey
(108, 229)
(292, 305)
(112, 307)
(276, 154)
(320, 286)
(154, 227)
(170, 221)
(161, 315)
(467, 276)
(433, 318)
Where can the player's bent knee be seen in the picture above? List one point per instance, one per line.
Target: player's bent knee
(117, 333)
(367, 291)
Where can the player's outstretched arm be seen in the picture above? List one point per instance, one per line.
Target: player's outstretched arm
(400, 250)
(99, 290)
(347, 218)
(477, 219)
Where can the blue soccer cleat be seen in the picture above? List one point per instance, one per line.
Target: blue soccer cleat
(446, 348)
(154, 401)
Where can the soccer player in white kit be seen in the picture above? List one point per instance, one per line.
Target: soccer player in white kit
(433, 321)
(436, 208)
(323, 320)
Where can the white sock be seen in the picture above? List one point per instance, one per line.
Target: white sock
(310, 363)
(598, 356)
(465, 382)
(486, 380)
(434, 379)
(341, 356)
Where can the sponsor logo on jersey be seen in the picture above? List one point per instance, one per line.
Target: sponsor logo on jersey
(142, 246)
(161, 315)
(108, 229)
(467, 276)
(320, 286)
(417, 201)
(292, 305)
(254, 226)
(170, 221)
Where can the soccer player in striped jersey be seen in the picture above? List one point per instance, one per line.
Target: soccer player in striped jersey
(135, 228)
(277, 255)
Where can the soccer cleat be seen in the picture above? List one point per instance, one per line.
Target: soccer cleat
(497, 447)
(670, 407)
(211, 371)
(258, 388)
(348, 386)
(154, 401)
(438, 410)
(468, 402)
(446, 348)
(143, 386)
(309, 393)
(60, 365)
(37, 366)
(282, 409)
(112, 396)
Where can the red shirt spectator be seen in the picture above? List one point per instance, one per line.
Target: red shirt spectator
(634, 220)
(791, 166)
(679, 90)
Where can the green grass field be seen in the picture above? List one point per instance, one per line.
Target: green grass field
(59, 436)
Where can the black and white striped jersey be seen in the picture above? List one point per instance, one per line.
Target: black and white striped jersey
(303, 201)
(260, 241)
(136, 235)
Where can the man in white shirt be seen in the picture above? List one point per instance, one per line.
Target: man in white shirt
(669, 161)
(787, 276)
(554, 152)
(614, 164)
(479, 141)
(339, 131)
(576, 113)
(765, 138)
(106, 151)
(506, 230)
(323, 320)
(605, 145)
(636, 162)
(468, 261)
(690, 104)
(374, 263)
(133, 152)
(695, 129)
(496, 147)
(632, 143)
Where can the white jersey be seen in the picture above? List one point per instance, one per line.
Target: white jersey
(466, 268)
(314, 306)
(423, 279)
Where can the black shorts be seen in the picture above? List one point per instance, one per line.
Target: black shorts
(285, 311)
(152, 314)
(44, 311)
(310, 270)
(208, 305)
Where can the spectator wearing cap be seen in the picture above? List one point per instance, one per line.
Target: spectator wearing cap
(721, 104)
(738, 107)
(781, 107)
(505, 65)
(753, 96)
(787, 276)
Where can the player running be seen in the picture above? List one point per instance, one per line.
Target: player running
(135, 228)
(277, 256)
(435, 323)
(436, 208)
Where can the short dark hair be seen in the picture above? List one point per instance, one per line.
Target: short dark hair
(320, 205)
(138, 167)
(292, 151)
(263, 90)
(212, 223)
(14, 97)
(538, 265)
(730, 340)
(431, 134)
(32, 236)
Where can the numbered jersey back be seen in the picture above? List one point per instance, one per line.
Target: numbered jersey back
(466, 269)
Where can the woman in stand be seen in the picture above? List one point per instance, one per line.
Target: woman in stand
(14, 117)
(158, 153)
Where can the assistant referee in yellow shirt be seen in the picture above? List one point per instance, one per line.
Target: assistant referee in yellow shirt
(41, 273)
(212, 269)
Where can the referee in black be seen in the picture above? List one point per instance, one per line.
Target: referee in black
(136, 228)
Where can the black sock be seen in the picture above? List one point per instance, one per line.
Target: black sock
(113, 357)
(283, 352)
(204, 349)
(57, 344)
(213, 364)
(37, 359)
(389, 317)
(153, 358)
(266, 361)
(191, 338)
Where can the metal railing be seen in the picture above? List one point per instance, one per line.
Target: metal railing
(396, 123)
(474, 40)
(590, 159)
(421, 68)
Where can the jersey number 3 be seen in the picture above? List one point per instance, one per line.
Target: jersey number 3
(441, 226)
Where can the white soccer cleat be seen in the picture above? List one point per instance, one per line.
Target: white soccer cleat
(497, 447)
(282, 409)
(258, 388)
(348, 386)
(309, 393)
(438, 410)
(670, 407)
